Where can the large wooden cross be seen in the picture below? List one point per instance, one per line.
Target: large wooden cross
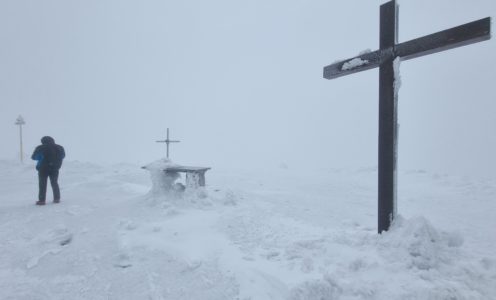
(384, 58)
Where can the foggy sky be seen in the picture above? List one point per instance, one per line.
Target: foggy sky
(240, 83)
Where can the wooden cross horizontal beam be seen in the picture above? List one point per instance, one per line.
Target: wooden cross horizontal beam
(466, 34)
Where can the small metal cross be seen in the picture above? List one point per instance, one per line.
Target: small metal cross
(167, 142)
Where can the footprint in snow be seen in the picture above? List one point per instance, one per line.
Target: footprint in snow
(56, 239)
(61, 236)
(123, 261)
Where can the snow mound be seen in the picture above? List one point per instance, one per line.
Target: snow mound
(413, 252)
(162, 182)
(419, 245)
(167, 192)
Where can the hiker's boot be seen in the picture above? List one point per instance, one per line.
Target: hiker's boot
(39, 202)
(56, 200)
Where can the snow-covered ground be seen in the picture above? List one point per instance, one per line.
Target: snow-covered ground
(271, 234)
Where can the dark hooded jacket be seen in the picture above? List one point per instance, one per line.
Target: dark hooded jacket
(49, 155)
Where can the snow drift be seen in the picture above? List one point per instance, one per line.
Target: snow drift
(276, 234)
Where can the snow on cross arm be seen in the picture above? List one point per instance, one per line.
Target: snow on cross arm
(356, 62)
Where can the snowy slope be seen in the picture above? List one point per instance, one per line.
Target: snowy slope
(276, 234)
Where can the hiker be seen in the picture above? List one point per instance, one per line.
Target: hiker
(49, 156)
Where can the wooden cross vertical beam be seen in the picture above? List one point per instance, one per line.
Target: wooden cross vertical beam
(388, 120)
(384, 58)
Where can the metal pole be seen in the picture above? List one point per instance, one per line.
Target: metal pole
(20, 137)
(167, 142)
(20, 121)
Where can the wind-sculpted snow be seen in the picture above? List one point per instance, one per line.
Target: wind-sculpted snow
(411, 261)
(271, 234)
